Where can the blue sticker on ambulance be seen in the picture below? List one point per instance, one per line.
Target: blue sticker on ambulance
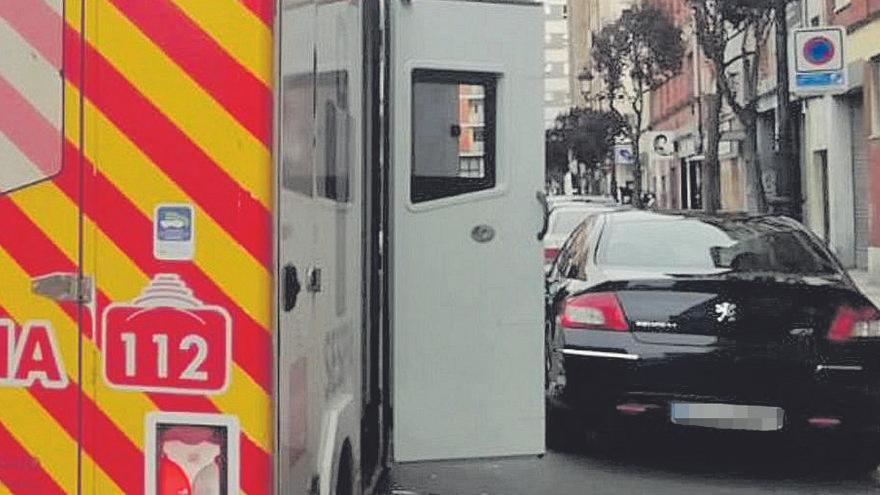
(174, 232)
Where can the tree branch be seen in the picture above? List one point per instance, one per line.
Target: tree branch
(739, 57)
(730, 96)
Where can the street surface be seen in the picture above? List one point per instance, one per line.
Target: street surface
(704, 464)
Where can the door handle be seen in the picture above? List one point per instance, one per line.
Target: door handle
(292, 287)
(315, 283)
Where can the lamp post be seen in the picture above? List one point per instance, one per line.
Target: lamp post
(585, 80)
(585, 83)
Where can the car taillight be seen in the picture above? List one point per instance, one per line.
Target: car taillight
(852, 323)
(550, 254)
(596, 311)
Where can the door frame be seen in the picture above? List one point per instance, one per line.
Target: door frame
(373, 425)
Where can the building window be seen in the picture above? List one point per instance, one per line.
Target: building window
(453, 134)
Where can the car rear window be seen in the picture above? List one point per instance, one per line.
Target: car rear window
(713, 246)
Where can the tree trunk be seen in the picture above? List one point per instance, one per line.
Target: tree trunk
(711, 164)
(637, 170)
(756, 196)
(789, 158)
(615, 190)
(637, 147)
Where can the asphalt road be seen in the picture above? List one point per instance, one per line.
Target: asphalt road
(650, 464)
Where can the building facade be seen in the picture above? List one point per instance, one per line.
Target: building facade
(678, 109)
(681, 109)
(585, 19)
(557, 94)
(841, 151)
(838, 136)
(472, 131)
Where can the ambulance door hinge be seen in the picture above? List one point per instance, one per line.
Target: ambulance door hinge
(67, 287)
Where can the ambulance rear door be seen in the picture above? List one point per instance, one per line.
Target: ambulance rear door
(466, 136)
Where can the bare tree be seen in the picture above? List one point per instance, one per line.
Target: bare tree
(645, 48)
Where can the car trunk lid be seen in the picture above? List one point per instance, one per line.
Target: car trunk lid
(756, 341)
(713, 310)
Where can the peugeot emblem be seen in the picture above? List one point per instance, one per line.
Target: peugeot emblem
(727, 312)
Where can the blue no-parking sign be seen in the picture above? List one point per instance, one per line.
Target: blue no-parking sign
(819, 62)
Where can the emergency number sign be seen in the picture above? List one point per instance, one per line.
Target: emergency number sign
(167, 341)
(819, 61)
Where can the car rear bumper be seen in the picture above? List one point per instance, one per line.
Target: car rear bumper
(623, 378)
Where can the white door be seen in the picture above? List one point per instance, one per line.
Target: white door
(466, 161)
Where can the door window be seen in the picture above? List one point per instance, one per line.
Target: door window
(453, 133)
(298, 133)
(332, 177)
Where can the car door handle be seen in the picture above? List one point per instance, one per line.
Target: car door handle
(292, 287)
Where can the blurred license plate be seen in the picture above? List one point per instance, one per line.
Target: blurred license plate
(728, 416)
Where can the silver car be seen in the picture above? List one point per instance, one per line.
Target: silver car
(565, 216)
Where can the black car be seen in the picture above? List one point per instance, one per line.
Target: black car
(726, 322)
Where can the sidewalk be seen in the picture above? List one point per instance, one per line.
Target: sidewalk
(870, 287)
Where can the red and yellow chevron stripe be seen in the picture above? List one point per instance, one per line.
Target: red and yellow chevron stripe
(166, 101)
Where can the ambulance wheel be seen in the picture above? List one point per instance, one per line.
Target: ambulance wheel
(345, 476)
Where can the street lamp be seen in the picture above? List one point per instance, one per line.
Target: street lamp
(585, 81)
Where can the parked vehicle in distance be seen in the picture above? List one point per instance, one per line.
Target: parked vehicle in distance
(565, 215)
(724, 322)
(558, 200)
